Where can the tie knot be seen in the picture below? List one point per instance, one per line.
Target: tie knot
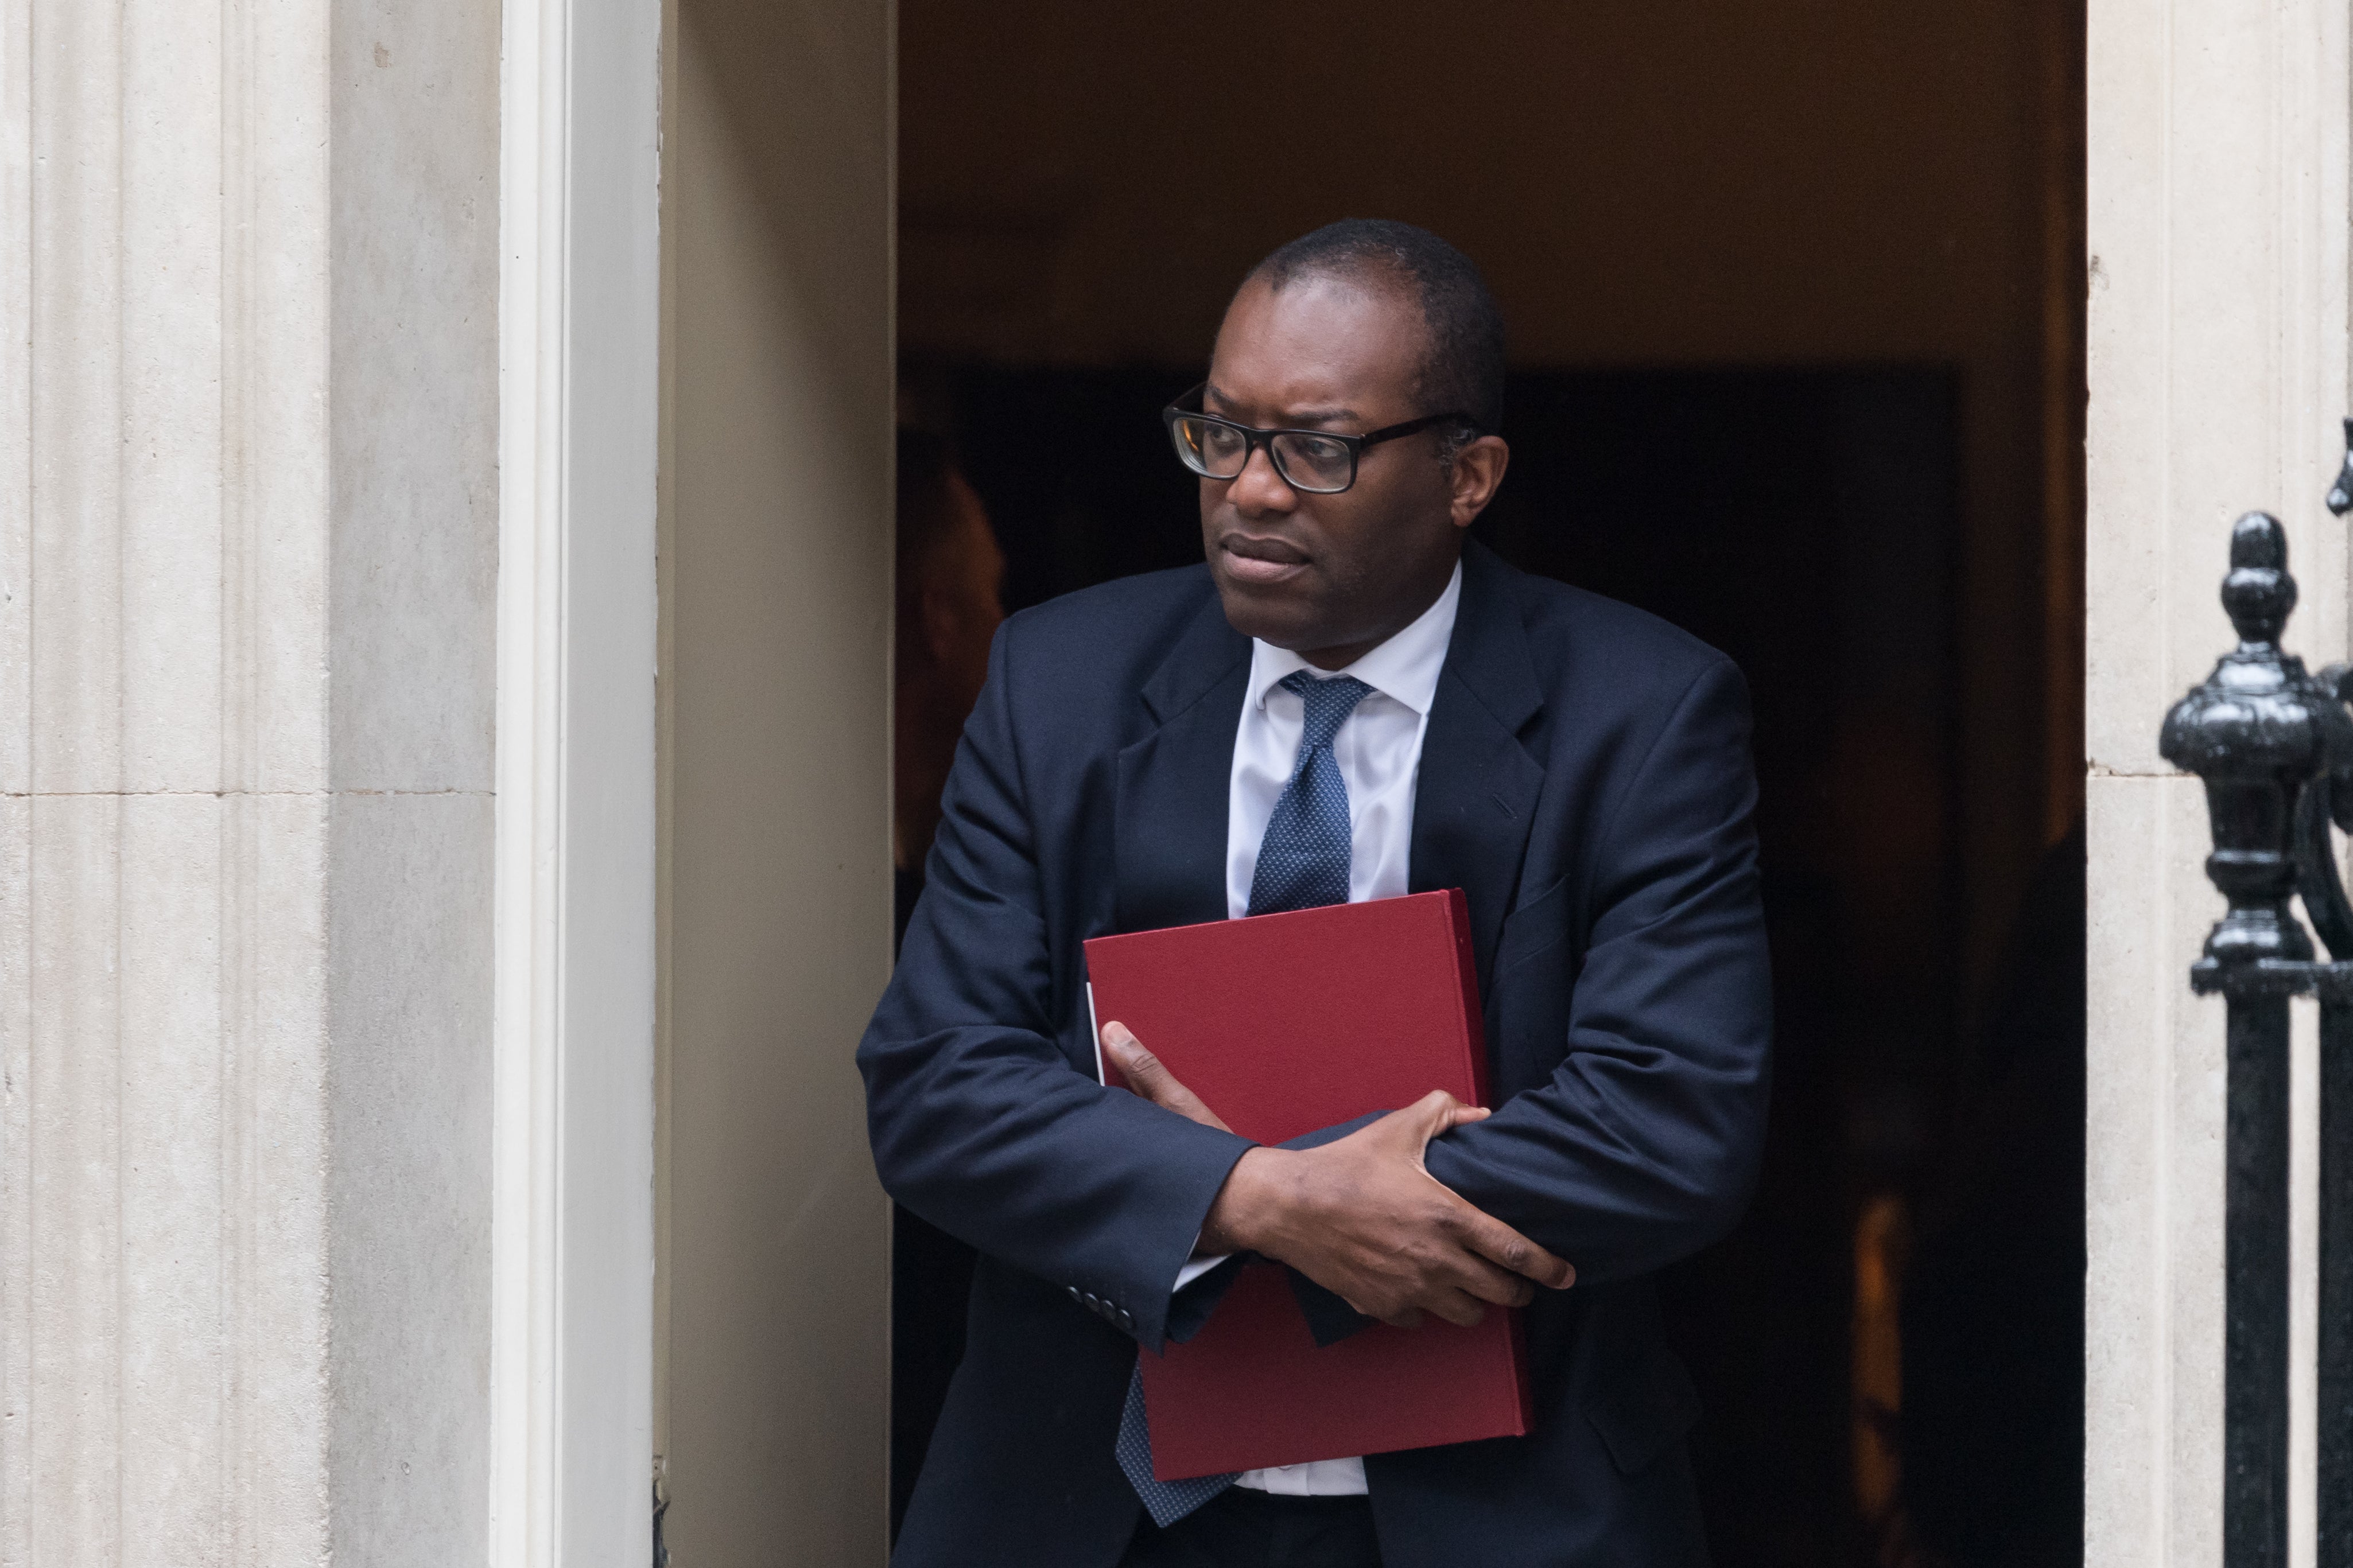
(1329, 703)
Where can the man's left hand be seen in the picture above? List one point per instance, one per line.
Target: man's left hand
(1149, 1077)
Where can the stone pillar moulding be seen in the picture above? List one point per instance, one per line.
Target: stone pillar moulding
(250, 679)
(2216, 239)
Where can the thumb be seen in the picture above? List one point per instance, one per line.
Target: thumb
(1434, 1113)
(1147, 1077)
(1136, 1065)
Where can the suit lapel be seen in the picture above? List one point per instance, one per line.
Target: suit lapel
(1477, 793)
(1169, 829)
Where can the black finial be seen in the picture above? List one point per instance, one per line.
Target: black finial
(2340, 494)
(2258, 595)
(2258, 730)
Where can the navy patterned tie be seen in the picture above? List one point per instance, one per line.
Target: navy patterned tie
(1302, 862)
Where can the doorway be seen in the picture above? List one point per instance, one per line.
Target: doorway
(1795, 312)
(1796, 308)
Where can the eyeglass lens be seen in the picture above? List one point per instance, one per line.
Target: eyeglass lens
(1307, 462)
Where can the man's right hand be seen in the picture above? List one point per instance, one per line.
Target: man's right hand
(1361, 1217)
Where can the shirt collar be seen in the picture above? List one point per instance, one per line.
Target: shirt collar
(1405, 668)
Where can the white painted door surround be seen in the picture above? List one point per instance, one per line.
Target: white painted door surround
(571, 1238)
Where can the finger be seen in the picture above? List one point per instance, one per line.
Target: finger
(1463, 1311)
(1404, 1317)
(1426, 1118)
(1498, 1243)
(1142, 1070)
(1474, 1275)
(1435, 1113)
(1147, 1077)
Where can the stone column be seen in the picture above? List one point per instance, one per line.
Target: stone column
(2217, 369)
(249, 408)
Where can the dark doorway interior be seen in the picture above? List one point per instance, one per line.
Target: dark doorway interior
(1795, 303)
(1804, 521)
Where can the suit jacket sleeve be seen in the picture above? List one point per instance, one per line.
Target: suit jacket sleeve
(978, 1121)
(1642, 1145)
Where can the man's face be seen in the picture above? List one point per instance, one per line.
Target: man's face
(1332, 575)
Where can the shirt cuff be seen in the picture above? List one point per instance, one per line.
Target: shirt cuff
(1195, 1267)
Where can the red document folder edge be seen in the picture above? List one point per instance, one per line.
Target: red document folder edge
(1285, 1023)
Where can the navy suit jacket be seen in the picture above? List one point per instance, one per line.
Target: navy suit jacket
(1586, 780)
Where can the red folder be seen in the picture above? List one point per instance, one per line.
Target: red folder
(1282, 1024)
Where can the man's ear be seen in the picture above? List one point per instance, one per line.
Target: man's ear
(1476, 472)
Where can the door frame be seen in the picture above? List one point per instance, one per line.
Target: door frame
(575, 817)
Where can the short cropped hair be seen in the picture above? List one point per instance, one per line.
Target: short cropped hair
(1463, 368)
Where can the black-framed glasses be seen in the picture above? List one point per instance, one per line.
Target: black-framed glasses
(1319, 462)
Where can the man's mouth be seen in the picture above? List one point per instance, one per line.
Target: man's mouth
(1259, 561)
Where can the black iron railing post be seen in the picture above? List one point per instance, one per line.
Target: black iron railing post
(2329, 798)
(2270, 742)
(2256, 1235)
(2335, 1356)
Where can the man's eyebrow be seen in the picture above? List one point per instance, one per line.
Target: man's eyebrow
(1299, 420)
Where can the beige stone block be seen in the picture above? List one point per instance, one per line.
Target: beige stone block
(169, 197)
(169, 1127)
(275, 370)
(274, 1287)
(163, 1162)
(409, 1094)
(15, 1178)
(2153, 1292)
(2216, 338)
(415, 416)
(73, 1171)
(77, 419)
(15, 410)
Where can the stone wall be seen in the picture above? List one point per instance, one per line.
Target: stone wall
(247, 540)
(2218, 372)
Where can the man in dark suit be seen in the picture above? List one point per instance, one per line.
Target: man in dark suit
(1346, 702)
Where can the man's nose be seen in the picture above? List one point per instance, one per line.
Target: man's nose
(1260, 487)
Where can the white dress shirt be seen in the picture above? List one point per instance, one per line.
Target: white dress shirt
(1378, 748)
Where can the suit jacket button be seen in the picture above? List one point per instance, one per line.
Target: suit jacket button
(1126, 1322)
